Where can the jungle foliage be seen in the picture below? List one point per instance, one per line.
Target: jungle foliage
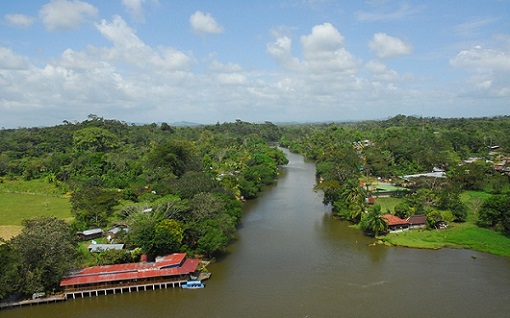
(175, 189)
(351, 157)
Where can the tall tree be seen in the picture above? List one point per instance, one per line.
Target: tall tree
(93, 205)
(373, 222)
(354, 196)
(9, 274)
(47, 251)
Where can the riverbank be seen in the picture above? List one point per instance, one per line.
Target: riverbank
(458, 235)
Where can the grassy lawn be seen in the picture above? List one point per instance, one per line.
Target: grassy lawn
(457, 235)
(27, 199)
(387, 203)
(464, 235)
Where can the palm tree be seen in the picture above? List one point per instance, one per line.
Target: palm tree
(373, 222)
(354, 197)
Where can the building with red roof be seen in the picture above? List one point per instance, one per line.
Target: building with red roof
(396, 224)
(170, 270)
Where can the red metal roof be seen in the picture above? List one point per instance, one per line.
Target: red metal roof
(394, 220)
(170, 265)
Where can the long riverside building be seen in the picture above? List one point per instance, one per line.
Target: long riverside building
(168, 271)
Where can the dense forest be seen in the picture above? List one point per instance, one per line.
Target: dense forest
(174, 189)
(181, 188)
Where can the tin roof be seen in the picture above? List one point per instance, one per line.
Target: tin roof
(96, 248)
(170, 265)
(91, 231)
(393, 220)
(417, 219)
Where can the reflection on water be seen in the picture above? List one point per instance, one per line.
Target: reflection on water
(293, 259)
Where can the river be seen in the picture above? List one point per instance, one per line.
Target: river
(292, 259)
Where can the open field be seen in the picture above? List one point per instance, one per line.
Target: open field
(9, 231)
(457, 235)
(387, 204)
(463, 235)
(27, 199)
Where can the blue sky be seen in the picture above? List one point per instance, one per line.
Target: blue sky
(150, 61)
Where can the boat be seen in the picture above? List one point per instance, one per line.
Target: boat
(192, 284)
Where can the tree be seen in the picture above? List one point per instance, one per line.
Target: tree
(47, 252)
(448, 198)
(9, 275)
(113, 256)
(175, 155)
(142, 230)
(403, 210)
(495, 213)
(354, 196)
(93, 205)
(168, 236)
(373, 222)
(433, 217)
(205, 205)
(95, 139)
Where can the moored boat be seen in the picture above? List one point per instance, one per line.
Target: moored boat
(192, 284)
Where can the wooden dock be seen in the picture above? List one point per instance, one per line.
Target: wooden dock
(119, 289)
(33, 302)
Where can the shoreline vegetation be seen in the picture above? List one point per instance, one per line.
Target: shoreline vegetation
(458, 235)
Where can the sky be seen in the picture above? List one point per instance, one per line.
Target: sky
(153, 61)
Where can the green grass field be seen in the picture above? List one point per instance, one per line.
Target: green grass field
(387, 203)
(27, 199)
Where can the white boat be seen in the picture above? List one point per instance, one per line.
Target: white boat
(192, 284)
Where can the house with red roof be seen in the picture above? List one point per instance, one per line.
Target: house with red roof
(396, 224)
(168, 271)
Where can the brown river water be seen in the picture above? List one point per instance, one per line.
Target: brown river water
(292, 259)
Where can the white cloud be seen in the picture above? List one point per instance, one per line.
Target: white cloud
(376, 67)
(322, 49)
(324, 38)
(79, 60)
(490, 68)
(119, 33)
(128, 48)
(281, 51)
(385, 46)
(11, 61)
(135, 8)
(19, 20)
(204, 23)
(65, 15)
(482, 60)
(232, 78)
(217, 66)
(381, 72)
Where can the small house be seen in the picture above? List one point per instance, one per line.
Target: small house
(396, 224)
(90, 234)
(417, 221)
